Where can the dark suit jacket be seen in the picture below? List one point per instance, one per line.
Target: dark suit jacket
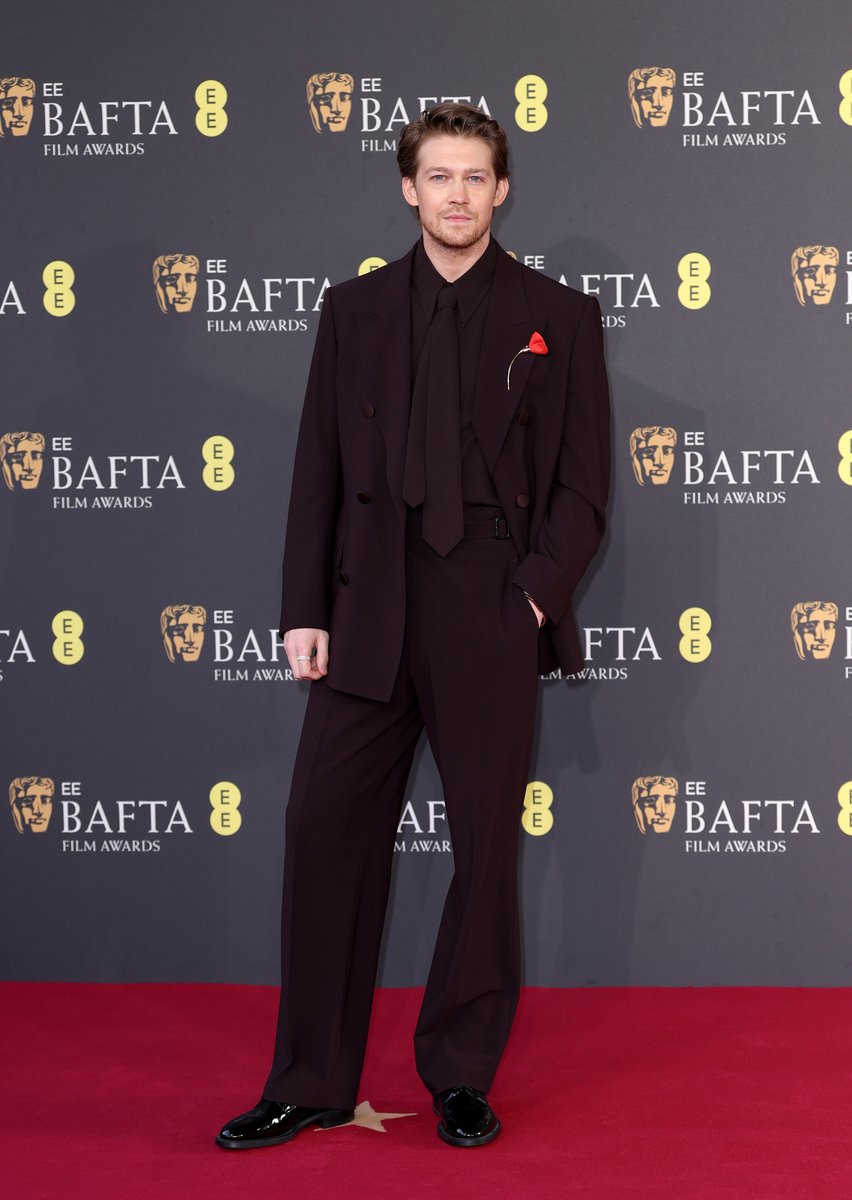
(545, 440)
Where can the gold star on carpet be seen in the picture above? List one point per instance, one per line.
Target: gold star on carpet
(368, 1118)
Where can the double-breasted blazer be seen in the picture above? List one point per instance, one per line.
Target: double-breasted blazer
(545, 439)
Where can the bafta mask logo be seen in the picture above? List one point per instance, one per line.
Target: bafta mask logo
(21, 460)
(654, 800)
(330, 101)
(176, 282)
(652, 449)
(650, 91)
(17, 97)
(814, 270)
(814, 625)
(182, 627)
(31, 799)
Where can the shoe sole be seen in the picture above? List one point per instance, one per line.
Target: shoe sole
(465, 1143)
(327, 1120)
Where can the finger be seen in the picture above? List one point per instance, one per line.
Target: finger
(321, 660)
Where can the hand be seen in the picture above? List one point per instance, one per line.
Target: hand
(307, 641)
(540, 617)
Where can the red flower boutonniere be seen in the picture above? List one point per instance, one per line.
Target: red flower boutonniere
(536, 345)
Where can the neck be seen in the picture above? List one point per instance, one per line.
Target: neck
(452, 261)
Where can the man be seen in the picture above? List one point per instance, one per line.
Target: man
(449, 490)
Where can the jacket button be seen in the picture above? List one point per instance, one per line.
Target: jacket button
(368, 410)
(343, 577)
(522, 500)
(523, 417)
(364, 497)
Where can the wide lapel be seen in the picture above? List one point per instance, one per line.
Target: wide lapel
(386, 352)
(508, 328)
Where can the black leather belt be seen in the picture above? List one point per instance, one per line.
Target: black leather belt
(493, 526)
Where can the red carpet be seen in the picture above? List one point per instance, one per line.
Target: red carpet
(117, 1092)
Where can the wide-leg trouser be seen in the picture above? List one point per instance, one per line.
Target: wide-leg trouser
(469, 674)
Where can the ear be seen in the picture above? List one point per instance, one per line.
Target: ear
(502, 192)
(409, 192)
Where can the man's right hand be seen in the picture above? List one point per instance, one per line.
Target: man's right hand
(307, 641)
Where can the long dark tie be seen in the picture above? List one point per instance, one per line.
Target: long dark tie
(433, 456)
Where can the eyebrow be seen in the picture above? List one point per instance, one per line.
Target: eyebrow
(438, 168)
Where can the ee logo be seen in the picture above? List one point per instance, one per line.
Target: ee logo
(695, 624)
(845, 106)
(693, 271)
(67, 626)
(217, 452)
(844, 467)
(844, 799)
(531, 113)
(225, 818)
(211, 96)
(58, 280)
(371, 264)
(537, 818)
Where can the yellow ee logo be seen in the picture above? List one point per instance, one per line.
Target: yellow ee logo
(844, 467)
(695, 625)
(225, 818)
(844, 799)
(67, 647)
(537, 818)
(845, 106)
(58, 280)
(531, 113)
(211, 97)
(371, 264)
(218, 452)
(693, 271)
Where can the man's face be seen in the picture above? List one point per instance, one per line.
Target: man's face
(187, 637)
(179, 285)
(333, 106)
(654, 100)
(656, 458)
(658, 808)
(16, 111)
(22, 466)
(455, 189)
(815, 632)
(35, 808)
(817, 278)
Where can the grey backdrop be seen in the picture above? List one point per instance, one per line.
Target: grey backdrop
(764, 898)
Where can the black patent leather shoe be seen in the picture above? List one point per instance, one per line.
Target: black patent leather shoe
(270, 1123)
(466, 1117)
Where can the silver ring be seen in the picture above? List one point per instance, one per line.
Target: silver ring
(308, 657)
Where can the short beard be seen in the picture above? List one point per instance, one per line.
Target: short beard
(459, 248)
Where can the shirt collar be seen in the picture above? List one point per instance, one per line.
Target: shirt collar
(471, 288)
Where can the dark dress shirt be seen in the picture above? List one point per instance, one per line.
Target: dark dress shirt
(474, 292)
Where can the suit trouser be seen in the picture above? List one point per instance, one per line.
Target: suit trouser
(468, 673)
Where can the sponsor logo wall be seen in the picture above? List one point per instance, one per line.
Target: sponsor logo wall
(174, 230)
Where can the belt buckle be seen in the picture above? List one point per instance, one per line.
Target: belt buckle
(501, 537)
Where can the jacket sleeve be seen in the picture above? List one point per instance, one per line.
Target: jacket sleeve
(306, 574)
(576, 517)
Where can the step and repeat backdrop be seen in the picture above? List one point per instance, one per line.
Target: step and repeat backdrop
(182, 184)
